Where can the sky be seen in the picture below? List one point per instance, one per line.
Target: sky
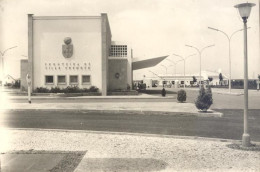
(152, 28)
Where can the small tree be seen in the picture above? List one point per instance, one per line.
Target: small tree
(181, 96)
(204, 99)
(220, 78)
(194, 79)
(163, 92)
(210, 79)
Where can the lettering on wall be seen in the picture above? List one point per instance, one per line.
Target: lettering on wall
(68, 66)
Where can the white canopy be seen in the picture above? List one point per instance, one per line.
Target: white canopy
(141, 64)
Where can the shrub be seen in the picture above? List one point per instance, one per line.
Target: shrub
(55, 90)
(128, 87)
(16, 84)
(181, 96)
(72, 89)
(8, 84)
(69, 89)
(163, 92)
(42, 90)
(204, 99)
(93, 89)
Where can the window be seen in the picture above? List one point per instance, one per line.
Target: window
(118, 51)
(74, 79)
(48, 79)
(62, 79)
(85, 79)
(182, 82)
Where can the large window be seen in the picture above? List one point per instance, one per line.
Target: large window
(74, 79)
(49, 79)
(62, 79)
(118, 51)
(86, 79)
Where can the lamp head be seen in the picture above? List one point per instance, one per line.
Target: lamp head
(188, 45)
(244, 10)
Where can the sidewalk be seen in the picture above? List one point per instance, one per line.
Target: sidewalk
(55, 96)
(159, 108)
(119, 152)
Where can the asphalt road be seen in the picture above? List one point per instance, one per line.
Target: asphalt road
(228, 127)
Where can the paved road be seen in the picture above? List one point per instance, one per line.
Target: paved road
(228, 127)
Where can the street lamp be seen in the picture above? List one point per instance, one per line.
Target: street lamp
(184, 60)
(244, 11)
(229, 50)
(165, 68)
(200, 52)
(2, 60)
(175, 63)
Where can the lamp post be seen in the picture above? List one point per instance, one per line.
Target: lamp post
(184, 60)
(244, 11)
(229, 50)
(165, 68)
(29, 83)
(175, 63)
(2, 60)
(200, 52)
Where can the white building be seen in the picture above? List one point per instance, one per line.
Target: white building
(175, 80)
(77, 51)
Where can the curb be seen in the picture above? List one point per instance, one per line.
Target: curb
(211, 113)
(134, 134)
(232, 94)
(92, 97)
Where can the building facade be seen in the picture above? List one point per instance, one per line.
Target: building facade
(179, 80)
(75, 51)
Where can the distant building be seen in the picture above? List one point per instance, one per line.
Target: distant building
(8, 79)
(179, 80)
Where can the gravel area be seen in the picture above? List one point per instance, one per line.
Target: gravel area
(129, 152)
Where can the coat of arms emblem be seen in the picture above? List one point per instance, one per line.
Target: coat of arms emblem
(67, 49)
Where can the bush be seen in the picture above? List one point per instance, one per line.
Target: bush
(55, 90)
(42, 90)
(181, 96)
(69, 89)
(128, 87)
(163, 92)
(204, 99)
(8, 84)
(93, 89)
(16, 84)
(72, 89)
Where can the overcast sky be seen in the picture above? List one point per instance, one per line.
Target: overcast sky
(151, 27)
